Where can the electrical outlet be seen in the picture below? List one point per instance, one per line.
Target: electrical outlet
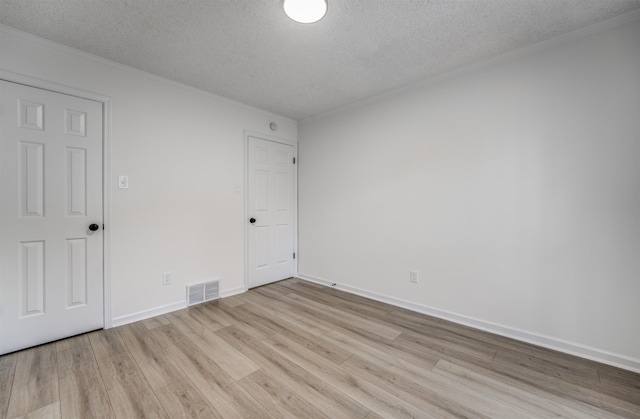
(413, 277)
(123, 182)
(167, 278)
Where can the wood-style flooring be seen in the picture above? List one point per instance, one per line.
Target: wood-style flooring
(294, 349)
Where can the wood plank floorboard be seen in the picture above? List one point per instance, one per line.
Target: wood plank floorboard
(276, 397)
(82, 391)
(106, 343)
(35, 383)
(295, 349)
(311, 387)
(7, 373)
(536, 406)
(130, 393)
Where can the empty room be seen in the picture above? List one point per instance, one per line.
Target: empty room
(319, 209)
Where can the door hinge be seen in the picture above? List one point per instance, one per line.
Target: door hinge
(103, 226)
(294, 255)
(294, 160)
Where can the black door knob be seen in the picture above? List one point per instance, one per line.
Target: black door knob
(252, 220)
(94, 227)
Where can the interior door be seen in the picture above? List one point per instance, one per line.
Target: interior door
(51, 244)
(271, 207)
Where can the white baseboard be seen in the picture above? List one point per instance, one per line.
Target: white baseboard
(234, 291)
(168, 308)
(549, 342)
(145, 314)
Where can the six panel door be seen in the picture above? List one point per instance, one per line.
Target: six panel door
(271, 204)
(51, 263)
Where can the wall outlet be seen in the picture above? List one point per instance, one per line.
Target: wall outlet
(167, 278)
(413, 277)
(123, 182)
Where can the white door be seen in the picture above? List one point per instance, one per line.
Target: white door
(271, 209)
(51, 281)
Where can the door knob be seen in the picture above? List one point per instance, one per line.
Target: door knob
(252, 220)
(94, 227)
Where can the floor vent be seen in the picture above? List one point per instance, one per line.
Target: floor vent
(205, 291)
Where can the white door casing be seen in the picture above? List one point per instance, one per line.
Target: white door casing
(271, 203)
(51, 264)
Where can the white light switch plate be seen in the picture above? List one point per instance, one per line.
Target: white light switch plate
(123, 182)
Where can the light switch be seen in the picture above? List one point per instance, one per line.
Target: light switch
(123, 182)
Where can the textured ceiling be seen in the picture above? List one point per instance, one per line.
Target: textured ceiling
(248, 50)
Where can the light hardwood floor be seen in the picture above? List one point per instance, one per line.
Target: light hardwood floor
(299, 350)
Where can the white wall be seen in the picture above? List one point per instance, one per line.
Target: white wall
(513, 189)
(183, 151)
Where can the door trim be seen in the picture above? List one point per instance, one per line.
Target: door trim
(294, 144)
(106, 170)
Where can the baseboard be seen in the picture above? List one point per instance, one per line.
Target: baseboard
(145, 314)
(168, 308)
(549, 342)
(234, 291)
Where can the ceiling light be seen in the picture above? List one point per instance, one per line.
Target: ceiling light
(305, 11)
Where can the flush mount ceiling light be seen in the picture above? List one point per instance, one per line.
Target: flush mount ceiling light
(305, 11)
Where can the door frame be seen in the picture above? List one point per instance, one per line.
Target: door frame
(106, 170)
(294, 144)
